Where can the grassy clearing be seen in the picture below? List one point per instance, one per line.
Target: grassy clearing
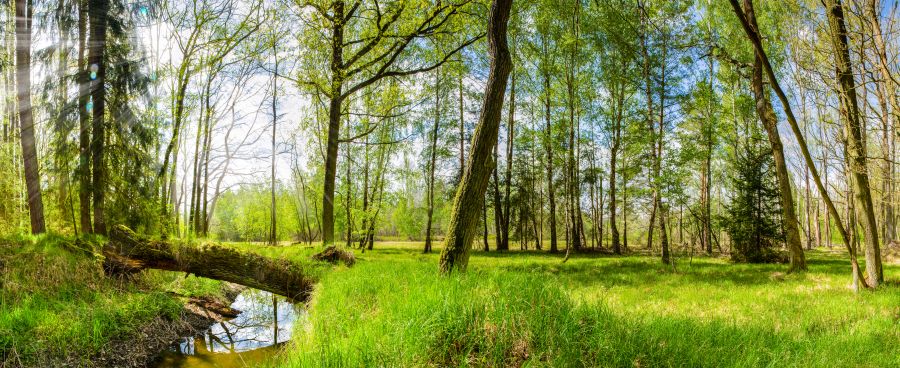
(56, 305)
(528, 308)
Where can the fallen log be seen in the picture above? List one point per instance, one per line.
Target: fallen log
(127, 253)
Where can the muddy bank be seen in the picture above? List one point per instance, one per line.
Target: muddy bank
(141, 348)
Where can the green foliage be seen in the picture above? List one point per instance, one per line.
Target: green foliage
(753, 217)
(244, 214)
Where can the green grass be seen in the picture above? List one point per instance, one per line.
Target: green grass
(57, 306)
(528, 308)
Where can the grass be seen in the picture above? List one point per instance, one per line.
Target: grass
(519, 308)
(57, 307)
(529, 308)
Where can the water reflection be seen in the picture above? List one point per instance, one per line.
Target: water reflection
(256, 334)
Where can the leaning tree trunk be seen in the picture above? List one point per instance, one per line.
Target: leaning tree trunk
(754, 38)
(470, 194)
(767, 115)
(26, 119)
(854, 139)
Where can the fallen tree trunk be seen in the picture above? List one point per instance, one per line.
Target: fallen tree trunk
(127, 253)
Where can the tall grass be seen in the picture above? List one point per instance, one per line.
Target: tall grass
(57, 306)
(516, 309)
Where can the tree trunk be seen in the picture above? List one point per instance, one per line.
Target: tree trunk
(498, 208)
(334, 123)
(433, 160)
(754, 38)
(128, 253)
(887, 96)
(98, 10)
(855, 140)
(510, 138)
(462, 129)
(470, 194)
(26, 118)
(273, 231)
(613, 152)
(770, 122)
(548, 145)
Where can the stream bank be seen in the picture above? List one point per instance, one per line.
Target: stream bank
(140, 349)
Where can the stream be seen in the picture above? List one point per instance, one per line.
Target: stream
(256, 335)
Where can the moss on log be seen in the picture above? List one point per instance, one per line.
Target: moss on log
(127, 253)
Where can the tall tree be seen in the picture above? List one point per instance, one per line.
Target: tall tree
(99, 11)
(431, 163)
(470, 193)
(83, 170)
(852, 124)
(24, 18)
(755, 39)
(766, 114)
(377, 51)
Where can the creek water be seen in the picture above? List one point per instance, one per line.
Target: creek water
(254, 336)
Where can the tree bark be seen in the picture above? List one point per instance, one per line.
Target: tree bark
(855, 140)
(470, 194)
(613, 152)
(433, 160)
(98, 10)
(548, 145)
(510, 138)
(770, 122)
(887, 96)
(754, 38)
(26, 119)
(127, 253)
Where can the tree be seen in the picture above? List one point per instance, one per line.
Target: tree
(26, 119)
(857, 156)
(385, 33)
(470, 194)
(433, 159)
(767, 115)
(752, 219)
(754, 38)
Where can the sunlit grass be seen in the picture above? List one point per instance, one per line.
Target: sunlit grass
(392, 309)
(57, 307)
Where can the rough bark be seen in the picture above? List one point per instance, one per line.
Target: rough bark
(855, 140)
(548, 145)
(26, 118)
(755, 40)
(613, 152)
(510, 138)
(766, 114)
(887, 96)
(128, 253)
(470, 194)
(98, 10)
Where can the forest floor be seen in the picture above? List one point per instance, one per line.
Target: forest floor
(510, 309)
(527, 307)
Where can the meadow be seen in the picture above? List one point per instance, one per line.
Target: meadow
(528, 308)
(510, 309)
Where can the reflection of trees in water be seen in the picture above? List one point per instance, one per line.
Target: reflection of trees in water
(265, 320)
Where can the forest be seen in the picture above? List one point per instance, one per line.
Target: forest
(450, 183)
